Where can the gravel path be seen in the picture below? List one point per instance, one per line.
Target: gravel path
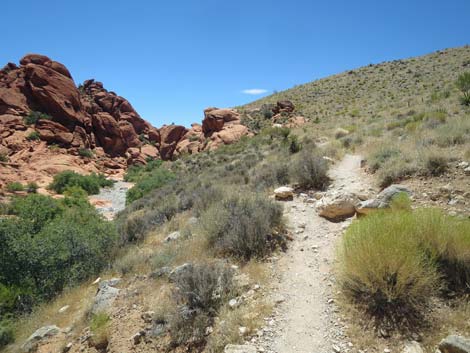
(306, 318)
(111, 200)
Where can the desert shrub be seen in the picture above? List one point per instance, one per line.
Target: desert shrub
(294, 144)
(51, 244)
(463, 84)
(242, 226)
(85, 152)
(204, 286)
(36, 210)
(90, 183)
(157, 178)
(15, 186)
(6, 334)
(33, 117)
(272, 173)
(446, 239)
(392, 263)
(99, 328)
(3, 157)
(135, 225)
(382, 155)
(394, 170)
(436, 164)
(310, 169)
(137, 172)
(32, 187)
(201, 290)
(33, 136)
(383, 269)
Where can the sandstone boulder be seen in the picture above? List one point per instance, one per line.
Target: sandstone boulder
(337, 207)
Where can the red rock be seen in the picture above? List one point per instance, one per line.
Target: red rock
(53, 132)
(170, 135)
(215, 119)
(284, 106)
(109, 134)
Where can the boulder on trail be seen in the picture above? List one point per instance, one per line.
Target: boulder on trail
(382, 200)
(284, 193)
(337, 207)
(455, 344)
(33, 341)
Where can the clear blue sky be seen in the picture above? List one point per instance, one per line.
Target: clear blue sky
(173, 58)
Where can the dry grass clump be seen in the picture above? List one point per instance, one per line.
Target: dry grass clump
(392, 263)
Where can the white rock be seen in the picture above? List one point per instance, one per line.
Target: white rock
(284, 193)
(64, 309)
(172, 236)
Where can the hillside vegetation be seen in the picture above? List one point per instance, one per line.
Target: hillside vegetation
(409, 117)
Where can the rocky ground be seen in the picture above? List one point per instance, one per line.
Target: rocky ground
(111, 200)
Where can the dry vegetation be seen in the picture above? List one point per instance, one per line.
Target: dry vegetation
(407, 116)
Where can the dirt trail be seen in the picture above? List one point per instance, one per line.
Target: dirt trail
(306, 319)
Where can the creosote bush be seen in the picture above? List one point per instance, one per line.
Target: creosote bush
(244, 226)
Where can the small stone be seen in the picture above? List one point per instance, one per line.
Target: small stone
(233, 303)
(336, 349)
(67, 348)
(242, 330)
(64, 309)
(386, 350)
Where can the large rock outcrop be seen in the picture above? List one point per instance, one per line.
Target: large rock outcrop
(43, 114)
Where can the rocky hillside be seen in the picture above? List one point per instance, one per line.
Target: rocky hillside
(376, 90)
(47, 125)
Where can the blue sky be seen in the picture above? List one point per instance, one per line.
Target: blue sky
(173, 58)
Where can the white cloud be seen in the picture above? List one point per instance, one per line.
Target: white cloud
(254, 91)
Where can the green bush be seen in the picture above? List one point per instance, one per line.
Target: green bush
(383, 269)
(85, 152)
(310, 170)
(36, 210)
(32, 187)
(3, 158)
(157, 178)
(392, 263)
(90, 183)
(33, 136)
(48, 245)
(33, 117)
(6, 334)
(463, 84)
(243, 226)
(15, 186)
